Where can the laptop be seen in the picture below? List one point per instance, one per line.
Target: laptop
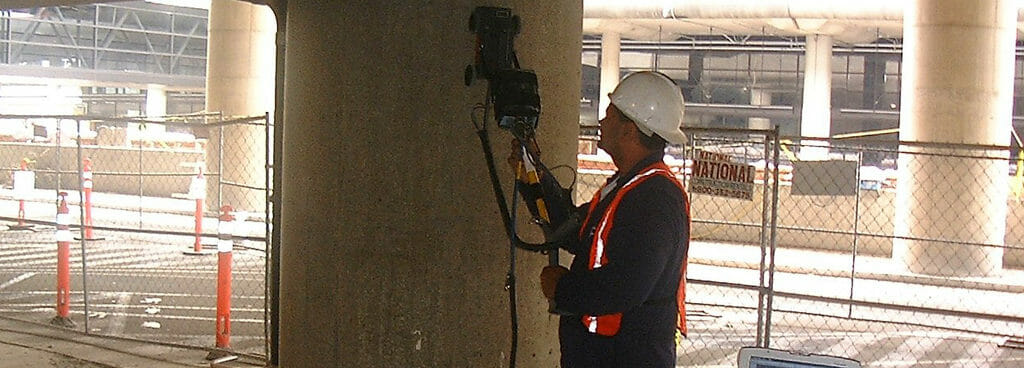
(751, 357)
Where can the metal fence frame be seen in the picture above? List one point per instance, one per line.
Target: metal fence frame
(202, 121)
(808, 311)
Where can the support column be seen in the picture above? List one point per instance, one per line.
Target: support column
(239, 82)
(873, 96)
(156, 105)
(156, 100)
(695, 71)
(759, 97)
(816, 113)
(393, 251)
(874, 83)
(611, 45)
(957, 89)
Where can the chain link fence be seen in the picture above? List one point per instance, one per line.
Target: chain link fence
(168, 226)
(895, 255)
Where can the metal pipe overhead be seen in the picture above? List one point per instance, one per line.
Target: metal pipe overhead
(742, 111)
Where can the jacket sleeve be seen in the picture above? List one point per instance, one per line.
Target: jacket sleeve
(646, 230)
(574, 246)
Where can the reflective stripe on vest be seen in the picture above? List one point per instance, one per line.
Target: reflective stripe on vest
(609, 324)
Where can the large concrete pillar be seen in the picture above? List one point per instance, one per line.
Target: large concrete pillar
(760, 97)
(239, 82)
(611, 45)
(393, 253)
(957, 89)
(816, 113)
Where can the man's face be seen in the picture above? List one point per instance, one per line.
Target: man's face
(612, 129)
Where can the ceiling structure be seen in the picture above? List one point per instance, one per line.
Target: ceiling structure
(202, 4)
(25, 4)
(848, 22)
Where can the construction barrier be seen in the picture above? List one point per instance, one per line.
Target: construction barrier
(197, 192)
(24, 182)
(225, 245)
(63, 236)
(87, 193)
(130, 181)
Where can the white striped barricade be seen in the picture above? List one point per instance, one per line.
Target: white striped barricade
(24, 184)
(197, 192)
(87, 193)
(225, 245)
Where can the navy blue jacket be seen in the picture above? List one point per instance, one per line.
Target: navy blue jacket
(645, 249)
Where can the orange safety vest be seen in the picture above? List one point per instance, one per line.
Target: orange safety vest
(609, 324)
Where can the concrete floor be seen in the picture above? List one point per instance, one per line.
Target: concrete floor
(25, 344)
(717, 334)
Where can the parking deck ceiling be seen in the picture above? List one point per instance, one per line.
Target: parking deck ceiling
(657, 20)
(25, 4)
(847, 22)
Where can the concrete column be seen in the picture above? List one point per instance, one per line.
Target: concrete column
(610, 51)
(156, 105)
(873, 96)
(239, 82)
(759, 97)
(695, 72)
(957, 89)
(816, 113)
(156, 100)
(874, 83)
(393, 251)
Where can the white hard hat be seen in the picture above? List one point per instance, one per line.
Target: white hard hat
(654, 102)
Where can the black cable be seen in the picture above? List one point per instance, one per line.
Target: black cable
(510, 285)
(496, 184)
(508, 217)
(543, 169)
(503, 205)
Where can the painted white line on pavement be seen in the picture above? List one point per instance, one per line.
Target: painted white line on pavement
(906, 353)
(79, 294)
(17, 279)
(139, 315)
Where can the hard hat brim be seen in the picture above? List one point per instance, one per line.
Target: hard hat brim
(676, 137)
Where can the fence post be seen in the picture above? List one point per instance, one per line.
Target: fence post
(24, 182)
(856, 231)
(63, 236)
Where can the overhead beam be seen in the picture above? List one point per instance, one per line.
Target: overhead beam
(104, 77)
(25, 4)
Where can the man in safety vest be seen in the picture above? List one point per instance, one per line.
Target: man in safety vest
(621, 300)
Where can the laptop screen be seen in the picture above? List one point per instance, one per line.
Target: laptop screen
(761, 362)
(752, 357)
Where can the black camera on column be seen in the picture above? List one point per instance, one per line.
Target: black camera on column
(512, 89)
